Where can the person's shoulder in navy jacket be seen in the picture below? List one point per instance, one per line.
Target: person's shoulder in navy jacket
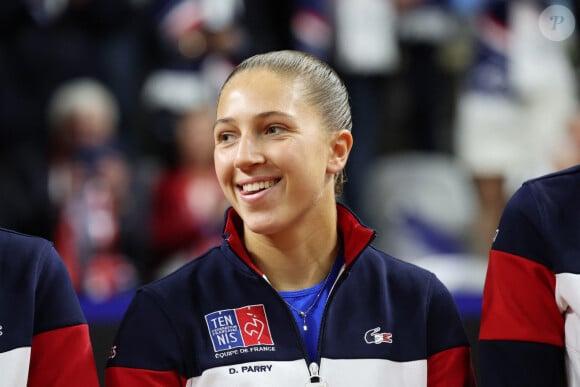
(44, 336)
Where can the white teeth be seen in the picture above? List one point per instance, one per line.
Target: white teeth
(253, 187)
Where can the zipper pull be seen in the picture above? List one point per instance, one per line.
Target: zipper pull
(315, 380)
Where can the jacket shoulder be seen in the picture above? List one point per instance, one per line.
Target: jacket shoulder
(25, 251)
(196, 272)
(398, 271)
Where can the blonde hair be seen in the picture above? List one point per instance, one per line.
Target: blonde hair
(322, 86)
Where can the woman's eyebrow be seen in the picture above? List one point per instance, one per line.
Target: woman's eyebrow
(229, 120)
(225, 120)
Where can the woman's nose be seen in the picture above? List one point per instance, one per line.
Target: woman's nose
(249, 152)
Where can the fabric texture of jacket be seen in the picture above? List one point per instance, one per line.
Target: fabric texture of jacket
(218, 322)
(44, 337)
(530, 325)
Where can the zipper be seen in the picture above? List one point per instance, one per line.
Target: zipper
(314, 379)
(313, 368)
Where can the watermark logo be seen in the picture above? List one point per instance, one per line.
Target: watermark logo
(557, 23)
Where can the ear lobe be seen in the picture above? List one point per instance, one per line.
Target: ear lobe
(341, 146)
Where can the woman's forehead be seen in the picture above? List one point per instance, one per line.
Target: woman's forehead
(260, 90)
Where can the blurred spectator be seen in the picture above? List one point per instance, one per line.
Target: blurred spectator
(188, 203)
(512, 112)
(90, 189)
(42, 44)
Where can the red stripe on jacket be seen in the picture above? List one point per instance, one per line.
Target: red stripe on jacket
(63, 357)
(451, 367)
(519, 301)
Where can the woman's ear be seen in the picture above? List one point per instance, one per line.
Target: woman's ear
(341, 144)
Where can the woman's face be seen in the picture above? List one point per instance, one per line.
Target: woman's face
(272, 155)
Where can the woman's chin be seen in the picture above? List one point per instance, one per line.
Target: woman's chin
(263, 224)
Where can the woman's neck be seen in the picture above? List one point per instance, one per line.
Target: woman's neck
(296, 259)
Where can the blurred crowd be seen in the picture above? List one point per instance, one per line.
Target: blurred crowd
(107, 108)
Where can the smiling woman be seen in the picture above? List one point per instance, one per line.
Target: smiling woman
(268, 134)
(295, 267)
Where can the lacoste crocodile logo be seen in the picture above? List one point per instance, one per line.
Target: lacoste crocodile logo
(373, 336)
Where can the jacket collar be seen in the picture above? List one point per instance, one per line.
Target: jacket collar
(355, 235)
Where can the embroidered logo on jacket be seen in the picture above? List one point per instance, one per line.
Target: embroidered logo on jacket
(373, 336)
(241, 327)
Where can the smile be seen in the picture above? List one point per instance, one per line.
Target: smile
(258, 186)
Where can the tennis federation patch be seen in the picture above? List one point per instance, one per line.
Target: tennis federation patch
(241, 327)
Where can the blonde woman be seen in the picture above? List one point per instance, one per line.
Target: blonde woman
(295, 295)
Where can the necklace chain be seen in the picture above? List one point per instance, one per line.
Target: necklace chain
(304, 313)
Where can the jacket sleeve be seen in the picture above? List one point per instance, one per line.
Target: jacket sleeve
(449, 360)
(61, 351)
(521, 341)
(146, 351)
